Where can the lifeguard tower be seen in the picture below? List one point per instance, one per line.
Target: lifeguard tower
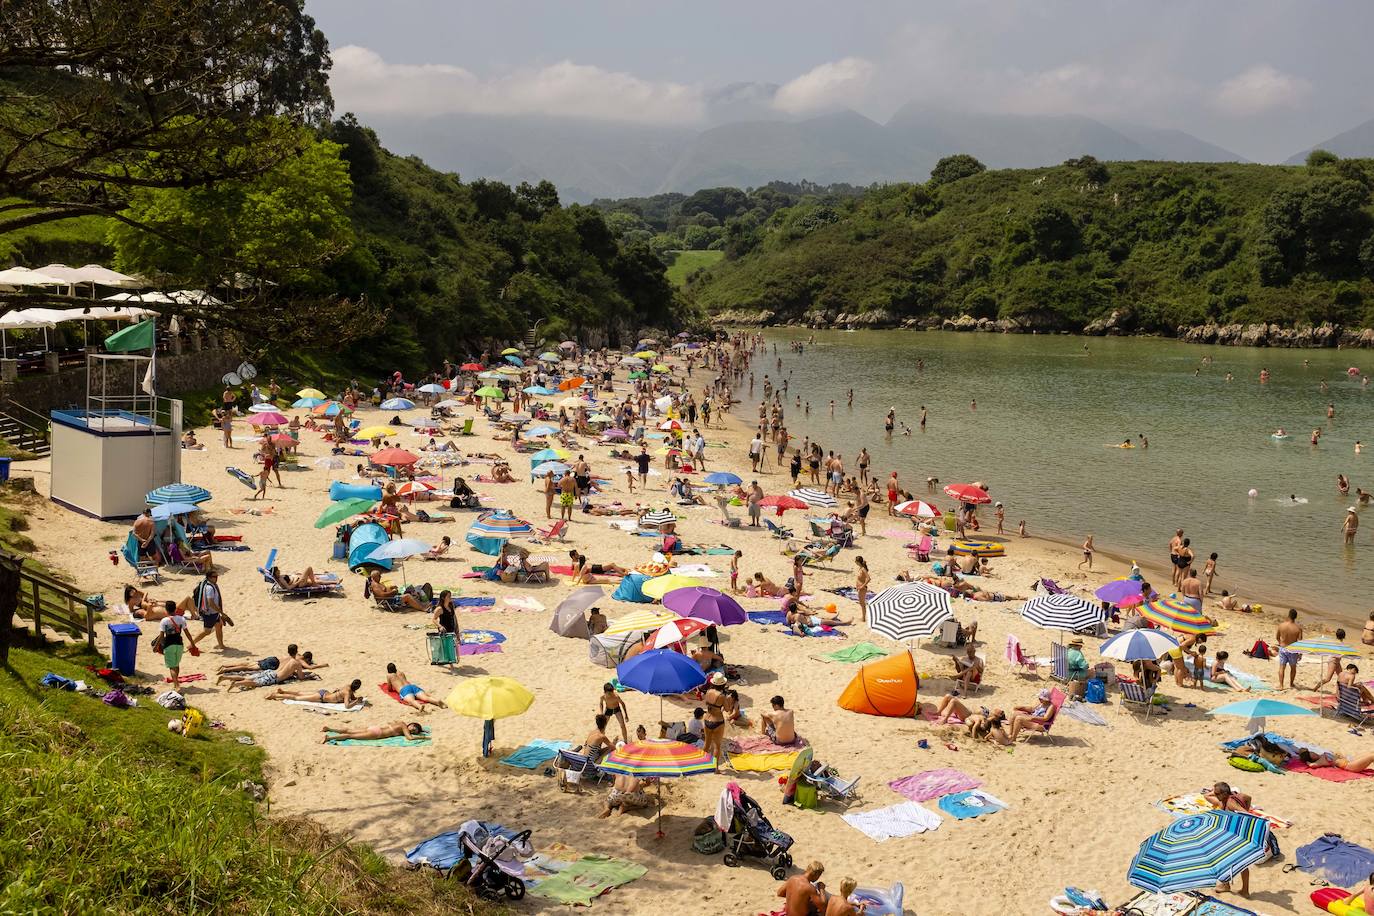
(125, 442)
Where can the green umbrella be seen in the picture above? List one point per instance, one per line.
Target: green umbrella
(344, 508)
(638, 375)
(489, 391)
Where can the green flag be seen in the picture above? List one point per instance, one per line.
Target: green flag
(135, 337)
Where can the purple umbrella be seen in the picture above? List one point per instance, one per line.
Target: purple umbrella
(705, 604)
(1120, 590)
(616, 432)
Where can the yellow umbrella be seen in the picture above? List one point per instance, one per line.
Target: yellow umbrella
(310, 393)
(573, 403)
(660, 367)
(560, 452)
(640, 621)
(489, 698)
(509, 351)
(657, 588)
(376, 432)
(646, 354)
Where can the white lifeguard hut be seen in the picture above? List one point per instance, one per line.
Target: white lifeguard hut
(124, 443)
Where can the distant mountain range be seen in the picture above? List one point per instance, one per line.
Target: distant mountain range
(587, 160)
(1358, 142)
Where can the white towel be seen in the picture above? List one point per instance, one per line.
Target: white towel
(326, 708)
(897, 821)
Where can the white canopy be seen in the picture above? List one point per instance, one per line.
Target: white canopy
(16, 321)
(150, 297)
(91, 273)
(22, 276)
(50, 317)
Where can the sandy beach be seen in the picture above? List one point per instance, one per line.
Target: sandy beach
(1078, 807)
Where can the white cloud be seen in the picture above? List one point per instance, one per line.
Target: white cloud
(840, 82)
(1260, 89)
(364, 83)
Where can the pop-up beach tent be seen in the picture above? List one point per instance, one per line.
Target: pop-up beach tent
(886, 687)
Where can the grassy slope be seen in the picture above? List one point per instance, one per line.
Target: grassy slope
(686, 262)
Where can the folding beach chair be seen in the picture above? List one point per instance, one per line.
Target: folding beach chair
(1020, 662)
(328, 582)
(145, 569)
(1348, 705)
(921, 552)
(556, 530)
(1059, 663)
(1057, 698)
(1134, 696)
(574, 769)
(778, 531)
(830, 785)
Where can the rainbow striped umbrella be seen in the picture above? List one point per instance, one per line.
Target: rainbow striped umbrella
(1319, 646)
(661, 758)
(500, 523)
(1178, 615)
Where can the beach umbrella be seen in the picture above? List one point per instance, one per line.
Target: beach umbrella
(1200, 850)
(398, 404)
(1178, 615)
(669, 425)
(310, 393)
(659, 586)
(177, 493)
(489, 698)
(600, 418)
(1138, 645)
(916, 508)
(909, 610)
(707, 604)
(400, 548)
(676, 631)
(557, 467)
(167, 510)
(329, 462)
(1256, 711)
(345, 508)
(515, 360)
(535, 389)
(661, 759)
(538, 431)
(567, 617)
(489, 374)
(548, 454)
(637, 375)
(415, 487)
(284, 439)
(574, 403)
(1319, 646)
(500, 523)
(264, 407)
(1062, 612)
(631, 361)
(722, 479)
(375, 432)
(394, 457)
(783, 503)
(489, 391)
(1121, 592)
(660, 367)
(268, 418)
(968, 493)
(646, 354)
(431, 388)
(331, 409)
(813, 497)
(639, 622)
(568, 384)
(510, 351)
(656, 518)
(471, 367)
(308, 403)
(516, 419)
(549, 356)
(667, 450)
(617, 433)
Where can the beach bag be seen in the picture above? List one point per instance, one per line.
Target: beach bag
(709, 843)
(805, 797)
(117, 699)
(192, 723)
(1096, 691)
(1259, 650)
(158, 644)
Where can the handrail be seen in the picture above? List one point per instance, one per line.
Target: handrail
(44, 599)
(41, 427)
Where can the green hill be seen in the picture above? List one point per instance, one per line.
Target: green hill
(686, 263)
(1164, 244)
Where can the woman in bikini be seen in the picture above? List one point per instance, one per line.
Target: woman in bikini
(1336, 761)
(713, 738)
(861, 580)
(344, 695)
(411, 731)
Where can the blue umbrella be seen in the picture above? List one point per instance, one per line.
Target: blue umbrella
(167, 510)
(514, 360)
(1199, 851)
(660, 673)
(539, 390)
(558, 468)
(544, 454)
(1138, 645)
(398, 404)
(541, 431)
(308, 402)
(1257, 710)
(177, 493)
(723, 479)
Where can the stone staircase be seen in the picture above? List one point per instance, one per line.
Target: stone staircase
(23, 434)
(531, 339)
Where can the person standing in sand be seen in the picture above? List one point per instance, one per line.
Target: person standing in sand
(713, 737)
(893, 490)
(1000, 514)
(549, 492)
(1350, 525)
(1209, 571)
(1191, 589)
(1289, 632)
(861, 580)
(1175, 545)
(1087, 554)
(567, 495)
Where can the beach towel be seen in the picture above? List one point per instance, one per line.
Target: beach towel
(766, 617)
(1330, 774)
(445, 850)
(762, 763)
(478, 649)
(1082, 712)
(531, 755)
(965, 805)
(1211, 906)
(326, 709)
(395, 741)
(859, 652)
(1194, 803)
(899, 820)
(1246, 679)
(699, 570)
(186, 678)
(473, 601)
(929, 715)
(586, 879)
(1341, 862)
(1324, 701)
(849, 591)
(933, 784)
(813, 632)
(762, 744)
(1148, 904)
(523, 603)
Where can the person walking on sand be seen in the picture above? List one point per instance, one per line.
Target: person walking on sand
(567, 495)
(1000, 513)
(549, 492)
(1087, 554)
(173, 633)
(861, 580)
(1289, 632)
(1209, 571)
(226, 424)
(1350, 525)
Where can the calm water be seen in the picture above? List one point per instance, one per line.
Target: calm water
(1048, 410)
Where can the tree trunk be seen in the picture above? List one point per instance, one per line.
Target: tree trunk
(9, 601)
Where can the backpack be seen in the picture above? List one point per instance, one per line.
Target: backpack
(170, 699)
(117, 699)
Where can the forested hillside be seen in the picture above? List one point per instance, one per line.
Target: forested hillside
(1163, 244)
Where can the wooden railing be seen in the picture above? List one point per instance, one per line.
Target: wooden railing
(50, 603)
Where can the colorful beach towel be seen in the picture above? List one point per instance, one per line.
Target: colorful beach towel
(814, 632)
(859, 652)
(1330, 774)
(531, 755)
(762, 744)
(893, 822)
(186, 678)
(395, 741)
(1211, 906)
(933, 784)
(586, 879)
(976, 803)
(1195, 803)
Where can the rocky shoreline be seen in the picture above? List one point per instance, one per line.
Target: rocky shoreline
(1117, 324)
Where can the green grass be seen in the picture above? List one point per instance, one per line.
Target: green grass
(105, 810)
(686, 262)
(16, 454)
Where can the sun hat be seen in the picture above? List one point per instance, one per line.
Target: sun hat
(718, 680)
(1076, 641)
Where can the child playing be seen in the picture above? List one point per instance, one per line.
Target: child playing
(612, 705)
(734, 571)
(696, 727)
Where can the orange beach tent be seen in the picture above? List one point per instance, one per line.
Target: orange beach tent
(884, 688)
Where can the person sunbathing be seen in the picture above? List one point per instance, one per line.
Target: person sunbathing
(411, 731)
(1350, 677)
(140, 604)
(436, 552)
(1037, 719)
(589, 509)
(288, 670)
(988, 726)
(346, 696)
(412, 695)
(372, 473)
(761, 586)
(501, 473)
(306, 579)
(272, 663)
(948, 708)
(1225, 798)
(380, 591)
(1218, 674)
(709, 659)
(584, 571)
(188, 442)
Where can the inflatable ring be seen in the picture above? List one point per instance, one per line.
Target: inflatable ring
(1063, 905)
(1277, 436)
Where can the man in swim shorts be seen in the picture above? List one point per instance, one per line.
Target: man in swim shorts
(412, 695)
(1289, 632)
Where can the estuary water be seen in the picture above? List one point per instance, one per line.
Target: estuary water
(1051, 410)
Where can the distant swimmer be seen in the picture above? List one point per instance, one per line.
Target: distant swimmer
(1144, 443)
(923, 416)
(1342, 484)
(1359, 446)
(1229, 377)
(1279, 433)
(973, 405)
(1264, 376)
(891, 420)
(1127, 443)
(1316, 435)
(1331, 411)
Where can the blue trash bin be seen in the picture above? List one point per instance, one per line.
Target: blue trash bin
(124, 647)
(4, 469)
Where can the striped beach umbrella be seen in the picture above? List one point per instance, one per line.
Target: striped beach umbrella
(909, 610)
(676, 631)
(1138, 645)
(656, 517)
(548, 454)
(414, 488)
(812, 497)
(640, 622)
(500, 523)
(1062, 612)
(662, 585)
(974, 548)
(1319, 646)
(1178, 615)
(661, 758)
(177, 493)
(917, 508)
(1199, 851)
(669, 425)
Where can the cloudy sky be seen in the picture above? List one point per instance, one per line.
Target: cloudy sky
(1264, 78)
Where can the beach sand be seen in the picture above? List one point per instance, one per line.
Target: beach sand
(1079, 806)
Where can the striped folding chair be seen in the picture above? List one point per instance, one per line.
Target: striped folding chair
(1348, 704)
(1134, 696)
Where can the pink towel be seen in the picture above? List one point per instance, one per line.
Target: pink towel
(933, 784)
(1330, 774)
(762, 744)
(930, 716)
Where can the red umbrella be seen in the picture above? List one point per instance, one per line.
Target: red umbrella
(470, 367)
(283, 439)
(917, 508)
(670, 634)
(968, 493)
(394, 456)
(783, 502)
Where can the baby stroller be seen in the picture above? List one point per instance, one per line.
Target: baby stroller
(751, 834)
(493, 875)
